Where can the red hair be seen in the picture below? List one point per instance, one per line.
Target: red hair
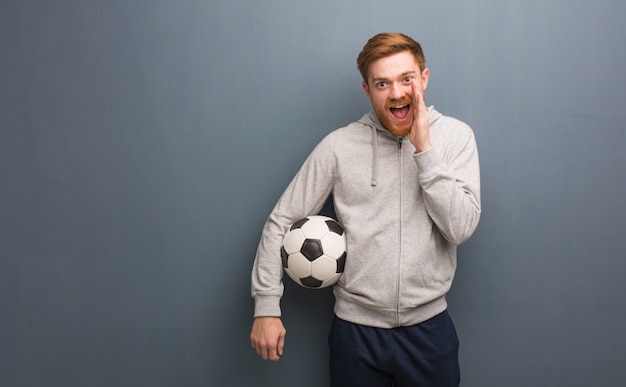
(385, 44)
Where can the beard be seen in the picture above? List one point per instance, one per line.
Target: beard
(386, 117)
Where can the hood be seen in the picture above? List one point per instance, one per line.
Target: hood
(371, 120)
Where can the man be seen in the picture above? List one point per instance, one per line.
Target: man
(406, 187)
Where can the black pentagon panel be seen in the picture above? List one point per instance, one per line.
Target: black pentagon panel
(312, 249)
(334, 227)
(299, 223)
(311, 282)
(284, 256)
(341, 263)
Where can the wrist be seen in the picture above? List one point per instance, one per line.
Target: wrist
(419, 148)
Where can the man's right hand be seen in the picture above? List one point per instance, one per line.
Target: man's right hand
(268, 337)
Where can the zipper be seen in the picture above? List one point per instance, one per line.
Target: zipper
(399, 269)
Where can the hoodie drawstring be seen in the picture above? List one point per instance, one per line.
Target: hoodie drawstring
(374, 158)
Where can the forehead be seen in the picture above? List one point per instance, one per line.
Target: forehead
(393, 66)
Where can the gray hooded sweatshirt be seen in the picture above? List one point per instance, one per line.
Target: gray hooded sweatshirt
(404, 214)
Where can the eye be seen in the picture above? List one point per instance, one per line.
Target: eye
(408, 79)
(381, 84)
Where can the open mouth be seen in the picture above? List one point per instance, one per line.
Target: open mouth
(400, 112)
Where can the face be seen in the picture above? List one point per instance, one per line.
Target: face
(389, 89)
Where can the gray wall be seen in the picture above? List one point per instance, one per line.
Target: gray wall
(143, 143)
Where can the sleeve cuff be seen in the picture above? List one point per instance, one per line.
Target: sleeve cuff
(265, 306)
(428, 163)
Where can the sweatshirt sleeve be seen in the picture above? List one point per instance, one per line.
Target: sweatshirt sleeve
(449, 176)
(305, 195)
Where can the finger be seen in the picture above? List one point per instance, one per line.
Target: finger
(259, 349)
(272, 355)
(281, 345)
(415, 93)
(262, 351)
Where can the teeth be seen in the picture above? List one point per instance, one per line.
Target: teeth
(399, 106)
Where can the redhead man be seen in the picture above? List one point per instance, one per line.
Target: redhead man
(405, 182)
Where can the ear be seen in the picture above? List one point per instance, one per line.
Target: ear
(425, 75)
(367, 90)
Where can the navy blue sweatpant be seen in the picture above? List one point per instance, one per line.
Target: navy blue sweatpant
(421, 355)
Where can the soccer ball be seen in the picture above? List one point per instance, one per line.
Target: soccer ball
(314, 251)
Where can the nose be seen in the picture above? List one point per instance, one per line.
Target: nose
(396, 91)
